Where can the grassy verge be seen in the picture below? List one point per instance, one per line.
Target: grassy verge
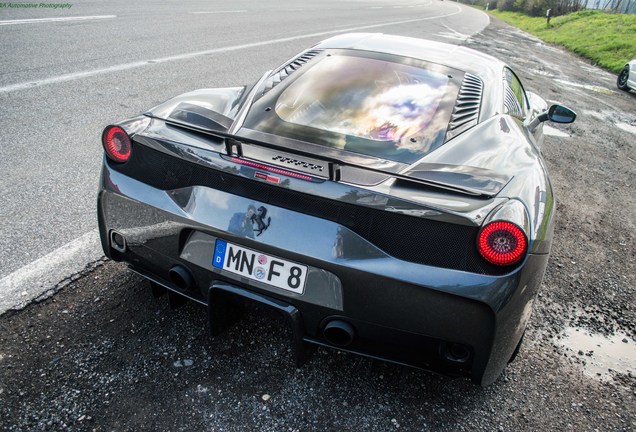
(607, 39)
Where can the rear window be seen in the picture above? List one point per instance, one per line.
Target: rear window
(396, 110)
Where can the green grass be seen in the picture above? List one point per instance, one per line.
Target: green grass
(607, 39)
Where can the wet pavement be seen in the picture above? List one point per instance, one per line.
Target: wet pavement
(599, 355)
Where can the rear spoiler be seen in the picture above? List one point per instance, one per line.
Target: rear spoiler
(335, 166)
(459, 179)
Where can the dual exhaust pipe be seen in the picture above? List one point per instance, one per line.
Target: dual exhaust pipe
(341, 334)
(336, 332)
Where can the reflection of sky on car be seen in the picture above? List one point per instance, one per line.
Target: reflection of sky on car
(366, 98)
(287, 230)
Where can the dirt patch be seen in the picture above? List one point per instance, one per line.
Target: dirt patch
(102, 354)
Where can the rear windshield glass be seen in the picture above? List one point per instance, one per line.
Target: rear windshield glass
(375, 107)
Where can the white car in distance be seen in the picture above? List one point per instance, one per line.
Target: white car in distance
(627, 77)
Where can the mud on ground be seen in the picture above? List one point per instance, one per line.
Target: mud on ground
(102, 354)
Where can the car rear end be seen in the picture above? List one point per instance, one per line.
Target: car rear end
(361, 268)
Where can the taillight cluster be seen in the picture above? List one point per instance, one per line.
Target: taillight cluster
(502, 243)
(116, 143)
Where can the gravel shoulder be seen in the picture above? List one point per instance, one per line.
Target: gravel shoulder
(103, 354)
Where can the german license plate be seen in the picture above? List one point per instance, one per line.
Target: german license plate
(260, 267)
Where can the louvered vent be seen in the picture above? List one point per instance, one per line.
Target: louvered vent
(511, 104)
(282, 73)
(466, 111)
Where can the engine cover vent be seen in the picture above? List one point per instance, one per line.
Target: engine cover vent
(282, 73)
(466, 111)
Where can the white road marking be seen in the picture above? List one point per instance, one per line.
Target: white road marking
(453, 36)
(30, 281)
(126, 66)
(627, 127)
(220, 12)
(455, 32)
(48, 20)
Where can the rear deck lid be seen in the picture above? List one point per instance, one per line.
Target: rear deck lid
(363, 103)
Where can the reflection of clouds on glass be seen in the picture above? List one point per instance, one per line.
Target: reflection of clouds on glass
(369, 99)
(393, 114)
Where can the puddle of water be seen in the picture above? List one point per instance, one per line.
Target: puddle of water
(549, 130)
(627, 127)
(598, 353)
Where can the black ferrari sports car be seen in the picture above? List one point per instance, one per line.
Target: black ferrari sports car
(385, 193)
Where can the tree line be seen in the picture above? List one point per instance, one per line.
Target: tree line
(558, 7)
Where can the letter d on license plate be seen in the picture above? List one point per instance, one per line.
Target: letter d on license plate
(260, 267)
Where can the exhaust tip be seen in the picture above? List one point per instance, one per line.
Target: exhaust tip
(455, 352)
(117, 241)
(181, 277)
(339, 333)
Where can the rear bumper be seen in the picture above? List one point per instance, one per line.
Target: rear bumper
(402, 312)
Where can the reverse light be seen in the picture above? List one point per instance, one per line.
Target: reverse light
(502, 243)
(116, 143)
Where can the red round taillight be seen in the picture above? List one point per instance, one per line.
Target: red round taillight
(502, 243)
(116, 143)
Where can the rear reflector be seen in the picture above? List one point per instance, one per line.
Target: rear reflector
(502, 243)
(116, 143)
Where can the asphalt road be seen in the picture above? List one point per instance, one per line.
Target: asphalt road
(62, 81)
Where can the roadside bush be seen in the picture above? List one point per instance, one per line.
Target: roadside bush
(532, 7)
(506, 5)
(607, 39)
(536, 7)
